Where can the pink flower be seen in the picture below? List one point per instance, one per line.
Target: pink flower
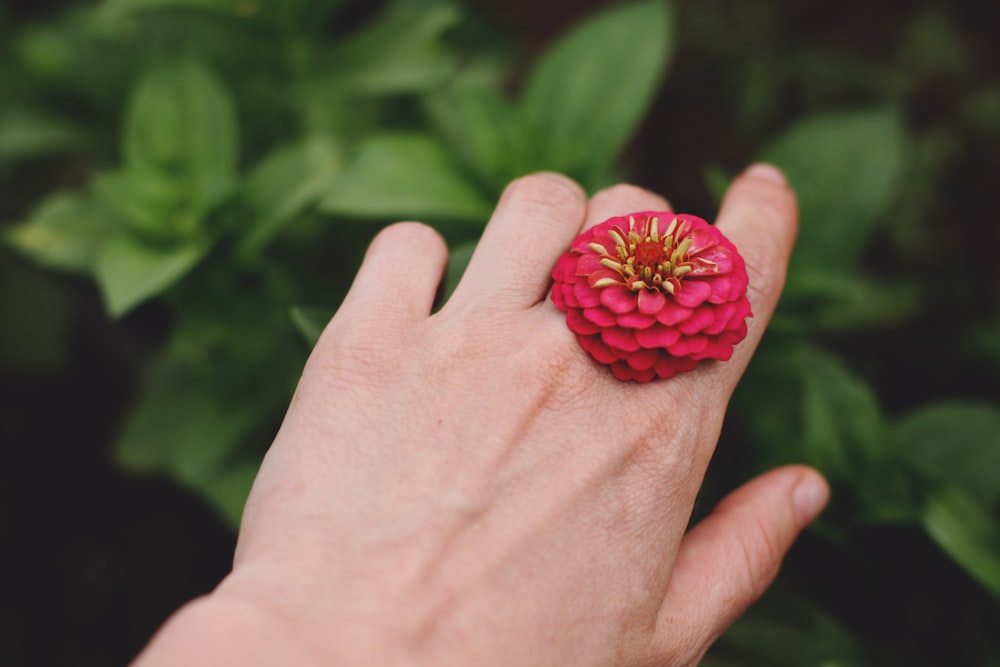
(653, 293)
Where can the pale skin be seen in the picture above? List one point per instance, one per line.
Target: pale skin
(470, 488)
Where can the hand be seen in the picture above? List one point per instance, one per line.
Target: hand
(470, 488)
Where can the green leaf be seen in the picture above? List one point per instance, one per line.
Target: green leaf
(130, 271)
(67, 231)
(211, 403)
(401, 52)
(483, 129)
(29, 133)
(310, 321)
(182, 427)
(36, 320)
(849, 303)
(785, 629)
(968, 533)
(932, 45)
(405, 176)
(284, 184)
(773, 417)
(182, 123)
(228, 489)
(717, 181)
(179, 425)
(589, 92)
(287, 14)
(78, 57)
(114, 9)
(846, 436)
(844, 428)
(984, 340)
(845, 168)
(955, 443)
(152, 204)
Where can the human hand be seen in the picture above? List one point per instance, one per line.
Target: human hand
(470, 488)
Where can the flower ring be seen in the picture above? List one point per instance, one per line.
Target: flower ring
(653, 293)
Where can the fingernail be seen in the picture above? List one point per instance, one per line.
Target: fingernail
(810, 496)
(766, 172)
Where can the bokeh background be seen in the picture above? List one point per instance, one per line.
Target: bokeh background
(186, 188)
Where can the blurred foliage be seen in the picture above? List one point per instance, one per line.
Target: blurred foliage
(222, 164)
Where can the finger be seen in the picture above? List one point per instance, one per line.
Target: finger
(729, 559)
(398, 278)
(535, 220)
(615, 200)
(619, 200)
(759, 215)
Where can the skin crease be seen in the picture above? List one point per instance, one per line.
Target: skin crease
(470, 488)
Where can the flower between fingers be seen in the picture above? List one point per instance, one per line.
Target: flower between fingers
(651, 294)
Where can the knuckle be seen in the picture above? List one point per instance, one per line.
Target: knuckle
(349, 352)
(679, 644)
(628, 195)
(458, 353)
(625, 191)
(564, 372)
(414, 235)
(546, 189)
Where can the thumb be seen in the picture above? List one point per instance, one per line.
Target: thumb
(731, 557)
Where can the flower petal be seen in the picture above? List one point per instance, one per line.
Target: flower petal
(578, 324)
(563, 294)
(666, 367)
(743, 308)
(703, 238)
(620, 339)
(723, 315)
(636, 320)
(593, 235)
(702, 317)
(642, 359)
(657, 337)
(671, 313)
(688, 345)
(603, 274)
(720, 256)
(715, 350)
(721, 286)
(598, 350)
(650, 302)
(624, 372)
(692, 293)
(618, 298)
(600, 316)
(587, 264)
(565, 268)
(738, 288)
(586, 296)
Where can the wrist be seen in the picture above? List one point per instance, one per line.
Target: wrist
(219, 631)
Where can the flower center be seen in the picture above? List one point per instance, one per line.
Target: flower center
(644, 258)
(650, 253)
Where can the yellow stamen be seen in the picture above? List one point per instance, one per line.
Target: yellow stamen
(609, 263)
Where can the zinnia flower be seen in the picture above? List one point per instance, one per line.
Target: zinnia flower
(653, 293)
